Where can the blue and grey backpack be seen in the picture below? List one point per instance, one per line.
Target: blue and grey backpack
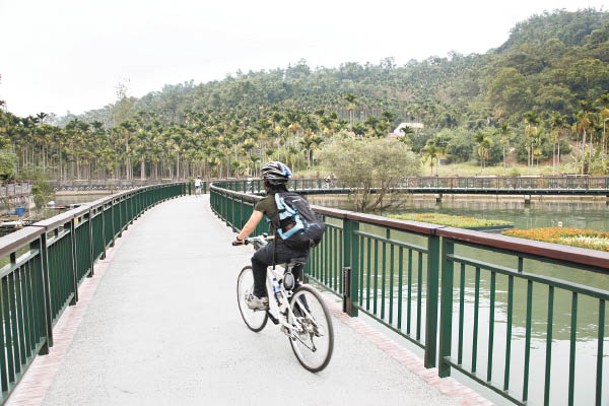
(299, 226)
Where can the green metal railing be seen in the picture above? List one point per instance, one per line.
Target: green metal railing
(46, 262)
(533, 280)
(496, 304)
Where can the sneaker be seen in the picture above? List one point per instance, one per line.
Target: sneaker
(257, 303)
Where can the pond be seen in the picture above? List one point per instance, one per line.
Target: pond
(578, 213)
(542, 212)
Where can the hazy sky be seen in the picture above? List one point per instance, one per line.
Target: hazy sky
(70, 55)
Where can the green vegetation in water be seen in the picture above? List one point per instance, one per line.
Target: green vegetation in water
(574, 237)
(454, 221)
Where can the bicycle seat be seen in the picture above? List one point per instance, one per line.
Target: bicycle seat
(297, 261)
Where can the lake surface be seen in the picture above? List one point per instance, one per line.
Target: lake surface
(590, 214)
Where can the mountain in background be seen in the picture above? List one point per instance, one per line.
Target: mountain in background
(549, 64)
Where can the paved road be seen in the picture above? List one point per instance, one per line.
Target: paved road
(163, 328)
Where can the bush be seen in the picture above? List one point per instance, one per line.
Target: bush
(8, 165)
(364, 163)
(41, 188)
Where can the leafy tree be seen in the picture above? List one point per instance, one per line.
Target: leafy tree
(460, 145)
(8, 164)
(508, 92)
(363, 164)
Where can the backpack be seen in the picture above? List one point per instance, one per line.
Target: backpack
(299, 226)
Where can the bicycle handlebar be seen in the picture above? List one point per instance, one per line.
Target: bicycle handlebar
(262, 239)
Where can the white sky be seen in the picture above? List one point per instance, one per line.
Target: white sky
(70, 55)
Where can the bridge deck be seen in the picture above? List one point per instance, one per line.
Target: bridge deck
(158, 324)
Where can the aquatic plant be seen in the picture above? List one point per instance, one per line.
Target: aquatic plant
(453, 221)
(575, 237)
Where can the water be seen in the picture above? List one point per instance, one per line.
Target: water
(578, 213)
(62, 204)
(588, 214)
(80, 198)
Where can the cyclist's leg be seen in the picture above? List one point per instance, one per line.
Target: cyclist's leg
(283, 254)
(264, 257)
(260, 262)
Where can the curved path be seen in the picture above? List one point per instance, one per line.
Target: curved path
(158, 324)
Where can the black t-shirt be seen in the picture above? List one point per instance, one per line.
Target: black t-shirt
(268, 207)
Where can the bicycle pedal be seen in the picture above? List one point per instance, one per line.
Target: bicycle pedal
(273, 318)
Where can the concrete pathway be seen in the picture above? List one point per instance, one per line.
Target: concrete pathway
(158, 324)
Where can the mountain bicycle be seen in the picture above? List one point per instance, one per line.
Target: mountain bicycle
(297, 308)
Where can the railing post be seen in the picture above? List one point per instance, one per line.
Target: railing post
(350, 260)
(91, 243)
(432, 297)
(112, 214)
(446, 312)
(41, 245)
(74, 263)
(103, 230)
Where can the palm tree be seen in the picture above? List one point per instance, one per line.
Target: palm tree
(484, 147)
(431, 153)
(557, 123)
(505, 133)
(407, 131)
(603, 101)
(584, 125)
(530, 131)
(351, 107)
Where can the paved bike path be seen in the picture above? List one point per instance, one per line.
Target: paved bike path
(162, 327)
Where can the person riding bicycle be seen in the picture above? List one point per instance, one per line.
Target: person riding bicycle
(275, 176)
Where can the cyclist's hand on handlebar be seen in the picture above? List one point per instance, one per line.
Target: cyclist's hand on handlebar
(239, 242)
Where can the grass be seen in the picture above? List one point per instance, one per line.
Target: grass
(468, 169)
(464, 170)
(574, 237)
(454, 221)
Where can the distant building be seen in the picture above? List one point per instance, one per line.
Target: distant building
(398, 130)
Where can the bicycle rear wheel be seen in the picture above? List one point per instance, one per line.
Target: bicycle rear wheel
(313, 342)
(254, 319)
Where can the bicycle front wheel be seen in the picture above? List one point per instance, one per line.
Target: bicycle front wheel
(254, 319)
(313, 338)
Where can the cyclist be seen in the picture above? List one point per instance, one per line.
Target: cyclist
(275, 176)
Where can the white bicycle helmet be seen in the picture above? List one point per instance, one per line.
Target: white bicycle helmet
(276, 173)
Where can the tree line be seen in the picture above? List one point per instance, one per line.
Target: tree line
(536, 96)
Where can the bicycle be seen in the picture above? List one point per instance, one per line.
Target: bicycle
(298, 308)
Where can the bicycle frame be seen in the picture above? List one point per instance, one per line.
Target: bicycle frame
(300, 313)
(274, 312)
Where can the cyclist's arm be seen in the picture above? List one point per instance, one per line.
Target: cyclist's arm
(250, 226)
